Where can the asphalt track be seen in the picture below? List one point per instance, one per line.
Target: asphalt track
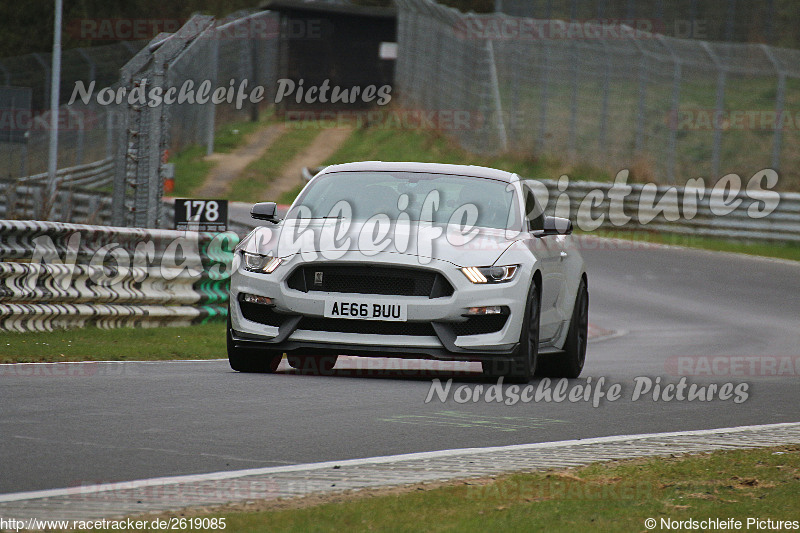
(72, 425)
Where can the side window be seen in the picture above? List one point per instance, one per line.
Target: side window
(532, 212)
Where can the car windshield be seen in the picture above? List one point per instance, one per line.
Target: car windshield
(391, 193)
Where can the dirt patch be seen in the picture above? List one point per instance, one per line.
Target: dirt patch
(229, 166)
(324, 146)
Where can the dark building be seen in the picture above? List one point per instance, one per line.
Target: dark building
(349, 46)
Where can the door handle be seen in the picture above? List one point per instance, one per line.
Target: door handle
(563, 255)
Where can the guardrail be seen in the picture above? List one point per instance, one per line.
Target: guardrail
(79, 196)
(55, 275)
(672, 209)
(682, 210)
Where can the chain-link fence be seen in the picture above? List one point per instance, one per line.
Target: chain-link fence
(128, 138)
(610, 96)
(218, 72)
(85, 129)
(711, 20)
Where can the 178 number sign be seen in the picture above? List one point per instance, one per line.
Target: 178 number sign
(201, 215)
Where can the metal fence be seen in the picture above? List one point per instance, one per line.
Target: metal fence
(223, 55)
(712, 20)
(85, 131)
(610, 96)
(137, 138)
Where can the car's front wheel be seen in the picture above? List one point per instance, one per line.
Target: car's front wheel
(570, 363)
(522, 368)
(250, 360)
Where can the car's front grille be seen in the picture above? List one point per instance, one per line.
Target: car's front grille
(263, 314)
(480, 325)
(370, 327)
(373, 279)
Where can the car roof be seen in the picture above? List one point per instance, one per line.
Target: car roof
(431, 168)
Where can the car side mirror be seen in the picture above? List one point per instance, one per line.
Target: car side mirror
(265, 211)
(557, 226)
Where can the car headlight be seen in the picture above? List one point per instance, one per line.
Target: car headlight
(492, 274)
(264, 264)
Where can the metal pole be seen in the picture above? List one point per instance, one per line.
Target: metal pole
(55, 82)
(780, 99)
(676, 96)
(211, 108)
(720, 107)
(498, 106)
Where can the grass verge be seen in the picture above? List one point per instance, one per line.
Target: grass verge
(778, 250)
(205, 341)
(254, 180)
(616, 496)
(191, 166)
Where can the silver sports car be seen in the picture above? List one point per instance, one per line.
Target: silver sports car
(411, 260)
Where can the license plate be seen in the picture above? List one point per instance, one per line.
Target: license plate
(365, 310)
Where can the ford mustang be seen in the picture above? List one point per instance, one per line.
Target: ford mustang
(411, 260)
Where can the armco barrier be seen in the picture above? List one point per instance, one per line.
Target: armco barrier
(56, 275)
(79, 195)
(671, 209)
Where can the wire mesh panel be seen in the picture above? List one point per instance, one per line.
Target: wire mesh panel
(612, 95)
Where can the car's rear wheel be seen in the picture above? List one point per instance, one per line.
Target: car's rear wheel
(570, 363)
(522, 368)
(248, 359)
(313, 364)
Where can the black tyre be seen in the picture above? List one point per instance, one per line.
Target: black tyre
(522, 368)
(313, 364)
(570, 363)
(249, 360)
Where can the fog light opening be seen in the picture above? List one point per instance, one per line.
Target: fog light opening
(489, 310)
(255, 299)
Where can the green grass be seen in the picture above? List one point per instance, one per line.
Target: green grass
(615, 496)
(191, 170)
(779, 250)
(206, 341)
(373, 143)
(250, 185)
(191, 167)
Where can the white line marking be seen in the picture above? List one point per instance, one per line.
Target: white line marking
(216, 476)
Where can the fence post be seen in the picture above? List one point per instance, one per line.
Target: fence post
(498, 105)
(719, 109)
(210, 109)
(544, 80)
(676, 96)
(573, 112)
(604, 106)
(780, 99)
(641, 110)
(81, 127)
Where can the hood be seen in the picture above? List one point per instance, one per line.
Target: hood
(355, 240)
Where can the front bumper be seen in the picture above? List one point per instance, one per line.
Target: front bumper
(434, 323)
